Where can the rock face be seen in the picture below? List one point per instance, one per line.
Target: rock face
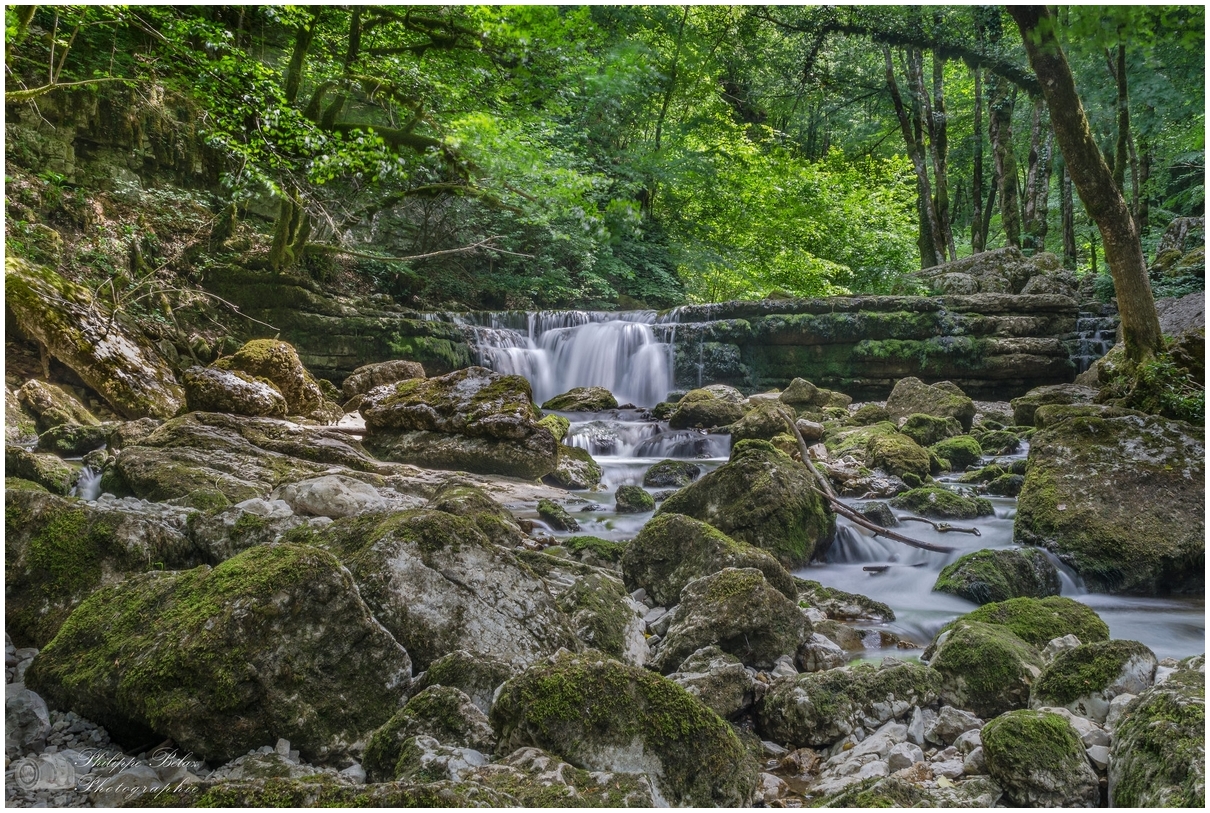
(473, 420)
(1025, 407)
(673, 550)
(272, 643)
(213, 390)
(944, 400)
(602, 715)
(52, 407)
(438, 585)
(369, 376)
(997, 575)
(583, 399)
(441, 712)
(1158, 755)
(985, 668)
(761, 497)
(1086, 678)
(109, 356)
(1138, 525)
(1039, 761)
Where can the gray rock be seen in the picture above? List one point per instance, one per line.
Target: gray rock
(369, 376)
(818, 653)
(719, 680)
(1039, 761)
(1057, 645)
(950, 723)
(903, 755)
(974, 763)
(237, 393)
(26, 720)
(1098, 755)
(331, 495)
(127, 784)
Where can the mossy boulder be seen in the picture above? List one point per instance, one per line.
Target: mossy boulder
(764, 421)
(531, 777)
(839, 604)
(47, 470)
(602, 715)
(475, 674)
(583, 399)
(801, 395)
(942, 503)
(1038, 759)
(704, 409)
(208, 389)
(441, 712)
(817, 709)
(109, 354)
(868, 414)
(1158, 754)
(53, 406)
(274, 642)
(896, 791)
(984, 668)
(1138, 524)
(439, 585)
(1025, 406)
(474, 420)
(556, 516)
(719, 680)
(462, 499)
(1041, 620)
(594, 550)
(927, 430)
(764, 498)
(319, 791)
(632, 500)
(672, 550)
(1084, 679)
(898, 455)
(70, 440)
(574, 469)
(1006, 485)
(997, 575)
(557, 425)
(600, 612)
(959, 452)
(738, 611)
(369, 376)
(277, 362)
(671, 474)
(944, 400)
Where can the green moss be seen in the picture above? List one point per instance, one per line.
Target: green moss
(633, 500)
(556, 516)
(985, 668)
(557, 426)
(602, 548)
(898, 455)
(1158, 755)
(1022, 744)
(960, 452)
(206, 499)
(927, 430)
(1084, 670)
(441, 712)
(598, 611)
(1039, 620)
(18, 484)
(869, 414)
(940, 502)
(997, 575)
(734, 582)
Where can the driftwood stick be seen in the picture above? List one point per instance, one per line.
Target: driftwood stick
(942, 527)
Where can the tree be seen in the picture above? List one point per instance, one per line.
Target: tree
(1094, 182)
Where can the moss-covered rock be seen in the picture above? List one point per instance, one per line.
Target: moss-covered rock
(462, 499)
(998, 575)
(1006, 485)
(600, 612)
(534, 778)
(927, 430)
(944, 400)
(1026, 405)
(942, 503)
(717, 679)
(277, 362)
(1041, 620)
(801, 395)
(442, 712)
(326, 792)
(705, 409)
(557, 425)
(602, 715)
(1138, 524)
(869, 414)
(574, 469)
(738, 611)
(1158, 754)
(20, 426)
(476, 674)
(898, 455)
(632, 500)
(69, 440)
(438, 585)
(583, 399)
(103, 349)
(275, 642)
(369, 376)
(1084, 679)
(57, 551)
(671, 474)
(47, 470)
(817, 709)
(209, 389)
(998, 442)
(602, 551)
(52, 406)
(894, 791)
(959, 452)
(672, 550)
(841, 605)
(556, 516)
(764, 421)
(764, 498)
(1038, 759)
(984, 668)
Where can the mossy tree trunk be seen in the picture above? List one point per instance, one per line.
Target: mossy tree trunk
(1000, 124)
(290, 234)
(1094, 182)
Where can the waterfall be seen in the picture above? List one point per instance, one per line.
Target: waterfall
(1095, 336)
(88, 484)
(558, 350)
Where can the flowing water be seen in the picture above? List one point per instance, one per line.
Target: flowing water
(631, 355)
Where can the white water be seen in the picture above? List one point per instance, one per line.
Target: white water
(88, 484)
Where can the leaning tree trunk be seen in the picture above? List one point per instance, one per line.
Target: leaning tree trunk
(1094, 182)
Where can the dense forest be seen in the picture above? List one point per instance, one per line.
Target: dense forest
(541, 156)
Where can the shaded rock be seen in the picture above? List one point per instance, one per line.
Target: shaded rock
(574, 469)
(950, 724)
(599, 609)
(927, 430)
(818, 653)
(671, 474)
(556, 516)
(1039, 761)
(944, 400)
(52, 406)
(602, 715)
(1006, 485)
(369, 376)
(764, 421)
(535, 778)
(425, 759)
(879, 513)
(583, 399)
(441, 712)
(703, 408)
(273, 642)
(801, 394)
(1025, 406)
(868, 415)
(984, 668)
(331, 495)
(717, 679)
(463, 499)
(1086, 678)
(632, 500)
(899, 791)
(46, 470)
(68, 440)
(997, 575)
(20, 427)
(221, 531)
(475, 674)
(942, 503)
(26, 721)
(209, 389)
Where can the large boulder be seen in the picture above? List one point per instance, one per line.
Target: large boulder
(463, 499)
(927, 430)
(51, 406)
(719, 680)
(330, 495)
(57, 551)
(1086, 678)
(46, 470)
(369, 376)
(474, 420)
(1038, 621)
(275, 642)
(475, 674)
(102, 348)
(880, 445)
(278, 362)
(1026, 406)
(673, 550)
(441, 712)
(671, 474)
(583, 399)
(1158, 754)
(984, 668)
(764, 498)
(739, 612)
(209, 389)
(705, 409)
(1119, 496)
(998, 575)
(942, 503)
(575, 469)
(602, 715)
(764, 421)
(943, 400)
(438, 585)
(1038, 759)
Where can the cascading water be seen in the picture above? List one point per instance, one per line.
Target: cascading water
(88, 484)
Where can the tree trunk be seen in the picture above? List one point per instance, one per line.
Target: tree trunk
(939, 136)
(978, 233)
(990, 207)
(302, 42)
(1094, 182)
(913, 139)
(1000, 118)
(1119, 152)
(1141, 209)
(1037, 180)
(1067, 211)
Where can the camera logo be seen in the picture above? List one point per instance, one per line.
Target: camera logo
(45, 772)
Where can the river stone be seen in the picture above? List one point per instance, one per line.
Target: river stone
(737, 610)
(438, 585)
(583, 399)
(717, 679)
(764, 498)
(1138, 525)
(331, 495)
(369, 376)
(928, 429)
(801, 395)
(838, 604)
(275, 642)
(463, 499)
(984, 668)
(441, 712)
(703, 409)
(764, 421)
(1039, 761)
(1086, 678)
(602, 715)
(820, 708)
(278, 362)
(52, 406)
(575, 469)
(880, 446)
(220, 533)
(671, 474)
(950, 724)
(104, 350)
(672, 550)
(208, 389)
(26, 721)
(944, 400)
(818, 654)
(475, 674)
(473, 419)
(68, 440)
(942, 503)
(556, 516)
(1158, 755)
(997, 575)
(632, 500)
(959, 452)
(59, 550)
(1026, 406)
(47, 470)
(1038, 621)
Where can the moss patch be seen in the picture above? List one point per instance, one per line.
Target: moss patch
(1039, 620)
(940, 502)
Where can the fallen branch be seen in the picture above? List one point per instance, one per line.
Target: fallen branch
(21, 96)
(485, 244)
(942, 527)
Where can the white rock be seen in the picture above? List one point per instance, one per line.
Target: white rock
(1116, 707)
(952, 768)
(331, 495)
(974, 764)
(1058, 645)
(783, 667)
(904, 755)
(770, 788)
(355, 774)
(949, 724)
(968, 741)
(1098, 755)
(920, 720)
